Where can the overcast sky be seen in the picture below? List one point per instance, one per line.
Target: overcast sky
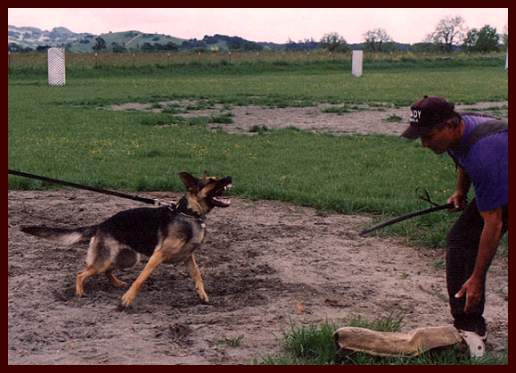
(263, 24)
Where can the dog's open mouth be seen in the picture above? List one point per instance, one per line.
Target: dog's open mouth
(217, 195)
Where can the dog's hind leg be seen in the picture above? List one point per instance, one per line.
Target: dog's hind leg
(114, 280)
(194, 271)
(153, 262)
(98, 260)
(83, 276)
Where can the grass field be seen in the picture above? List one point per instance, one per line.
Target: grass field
(35, 62)
(62, 133)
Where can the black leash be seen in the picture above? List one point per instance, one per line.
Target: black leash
(423, 195)
(150, 201)
(406, 216)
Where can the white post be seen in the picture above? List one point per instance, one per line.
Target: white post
(507, 60)
(56, 67)
(356, 66)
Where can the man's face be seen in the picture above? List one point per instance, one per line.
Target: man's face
(438, 140)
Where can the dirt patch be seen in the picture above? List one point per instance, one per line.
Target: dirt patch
(352, 119)
(265, 264)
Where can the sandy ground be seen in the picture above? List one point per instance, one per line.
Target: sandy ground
(266, 265)
(361, 119)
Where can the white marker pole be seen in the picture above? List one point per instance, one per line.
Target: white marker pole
(56, 67)
(356, 65)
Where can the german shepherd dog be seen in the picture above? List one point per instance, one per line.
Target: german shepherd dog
(165, 234)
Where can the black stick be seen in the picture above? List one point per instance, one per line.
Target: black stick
(78, 186)
(405, 217)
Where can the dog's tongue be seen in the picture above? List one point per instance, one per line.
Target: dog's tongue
(223, 200)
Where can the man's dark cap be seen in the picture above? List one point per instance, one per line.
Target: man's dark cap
(426, 114)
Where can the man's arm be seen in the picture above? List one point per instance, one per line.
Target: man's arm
(459, 197)
(489, 240)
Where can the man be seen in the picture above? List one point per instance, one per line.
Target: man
(481, 157)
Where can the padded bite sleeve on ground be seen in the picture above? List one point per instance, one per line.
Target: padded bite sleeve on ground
(408, 344)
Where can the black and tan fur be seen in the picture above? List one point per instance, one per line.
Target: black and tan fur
(164, 234)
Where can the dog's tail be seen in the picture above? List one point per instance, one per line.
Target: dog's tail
(62, 235)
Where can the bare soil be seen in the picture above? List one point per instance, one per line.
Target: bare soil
(266, 265)
(361, 119)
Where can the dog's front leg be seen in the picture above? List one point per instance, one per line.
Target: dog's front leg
(155, 259)
(192, 267)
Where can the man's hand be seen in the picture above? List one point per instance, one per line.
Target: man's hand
(472, 288)
(489, 239)
(459, 201)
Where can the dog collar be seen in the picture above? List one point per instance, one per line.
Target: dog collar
(193, 214)
(183, 209)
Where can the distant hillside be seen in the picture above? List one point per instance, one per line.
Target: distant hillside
(128, 41)
(32, 38)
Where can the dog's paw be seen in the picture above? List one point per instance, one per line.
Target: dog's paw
(120, 284)
(204, 298)
(122, 308)
(115, 281)
(127, 299)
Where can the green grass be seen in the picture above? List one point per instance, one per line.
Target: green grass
(68, 133)
(172, 109)
(296, 88)
(224, 118)
(344, 109)
(349, 108)
(314, 345)
(259, 128)
(201, 105)
(393, 119)
(235, 341)
(496, 111)
(87, 65)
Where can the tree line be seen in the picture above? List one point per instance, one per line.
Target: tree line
(450, 34)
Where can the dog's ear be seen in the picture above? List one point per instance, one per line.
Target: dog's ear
(191, 183)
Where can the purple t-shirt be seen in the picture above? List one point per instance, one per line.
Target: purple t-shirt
(486, 164)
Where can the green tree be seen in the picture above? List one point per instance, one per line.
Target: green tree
(484, 40)
(470, 41)
(449, 31)
(170, 46)
(333, 42)
(42, 48)
(148, 47)
(488, 39)
(377, 40)
(99, 44)
(423, 47)
(118, 48)
(13, 47)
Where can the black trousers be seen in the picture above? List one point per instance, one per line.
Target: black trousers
(463, 240)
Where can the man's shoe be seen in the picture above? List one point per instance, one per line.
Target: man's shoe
(483, 336)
